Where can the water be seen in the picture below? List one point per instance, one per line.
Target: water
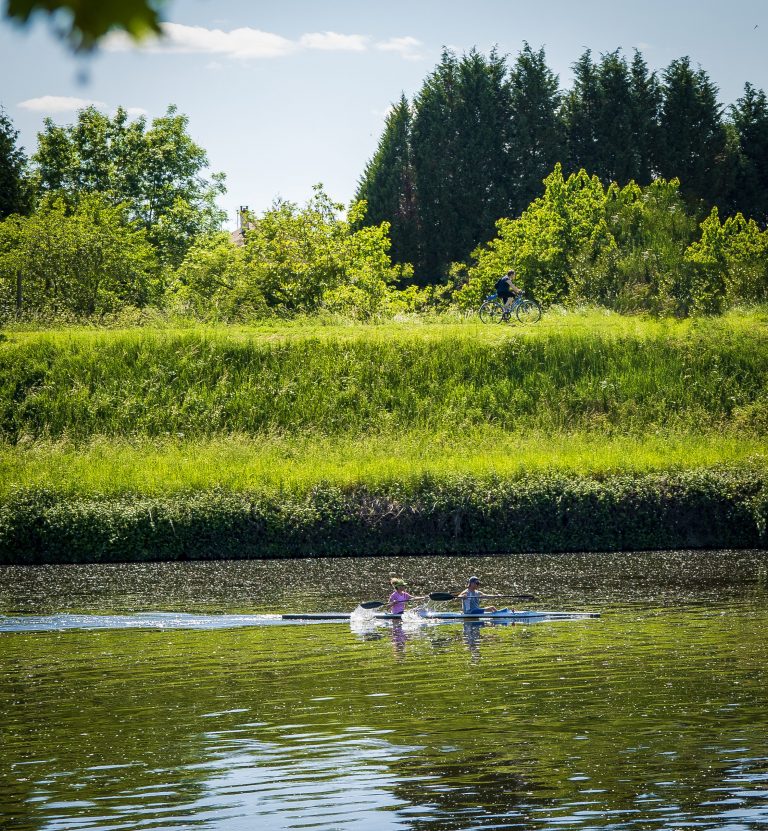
(177, 700)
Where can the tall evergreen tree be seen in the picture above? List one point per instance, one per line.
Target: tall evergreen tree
(692, 136)
(581, 115)
(460, 140)
(537, 138)
(750, 119)
(387, 185)
(13, 163)
(645, 103)
(615, 151)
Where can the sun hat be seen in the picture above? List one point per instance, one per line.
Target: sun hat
(474, 579)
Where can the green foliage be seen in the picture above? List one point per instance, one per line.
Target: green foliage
(13, 163)
(750, 119)
(730, 263)
(84, 262)
(88, 21)
(537, 139)
(545, 512)
(637, 262)
(157, 172)
(538, 244)
(294, 260)
(692, 134)
(459, 142)
(387, 185)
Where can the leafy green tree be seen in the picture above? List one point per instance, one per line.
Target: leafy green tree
(156, 171)
(295, 260)
(13, 163)
(692, 136)
(87, 21)
(539, 243)
(83, 262)
(635, 259)
(387, 185)
(750, 119)
(730, 264)
(537, 139)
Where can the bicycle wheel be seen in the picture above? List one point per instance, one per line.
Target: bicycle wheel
(491, 311)
(529, 311)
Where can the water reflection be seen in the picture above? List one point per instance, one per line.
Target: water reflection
(652, 717)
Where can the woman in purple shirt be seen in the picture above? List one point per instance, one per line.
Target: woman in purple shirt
(400, 596)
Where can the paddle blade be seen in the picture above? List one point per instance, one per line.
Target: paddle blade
(372, 604)
(442, 596)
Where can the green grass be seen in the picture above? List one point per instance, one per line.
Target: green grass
(572, 373)
(240, 464)
(88, 411)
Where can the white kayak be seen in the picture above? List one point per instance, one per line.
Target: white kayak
(502, 614)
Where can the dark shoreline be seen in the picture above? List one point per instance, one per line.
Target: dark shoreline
(723, 508)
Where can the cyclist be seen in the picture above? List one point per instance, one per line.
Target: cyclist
(506, 288)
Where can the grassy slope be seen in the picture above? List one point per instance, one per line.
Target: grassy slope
(286, 405)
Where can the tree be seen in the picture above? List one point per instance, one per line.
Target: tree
(460, 142)
(387, 185)
(581, 108)
(607, 113)
(614, 128)
(692, 135)
(295, 260)
(157, 172)
(85, 261)
(13, 163)
(89, 20)
(645, 102)
(537, 140)
(750, 118)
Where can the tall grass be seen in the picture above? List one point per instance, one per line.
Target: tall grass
(110, 467)
(572, 373)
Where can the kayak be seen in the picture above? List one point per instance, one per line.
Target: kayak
(504, 614)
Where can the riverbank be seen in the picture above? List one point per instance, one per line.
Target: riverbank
(586, 432)
(715, 508)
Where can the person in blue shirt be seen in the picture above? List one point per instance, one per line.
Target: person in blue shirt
(471, 598)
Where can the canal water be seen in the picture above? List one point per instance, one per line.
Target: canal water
(168, 696)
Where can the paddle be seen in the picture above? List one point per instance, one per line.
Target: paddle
(373, 604)
(449, 596)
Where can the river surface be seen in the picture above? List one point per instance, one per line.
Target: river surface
(168, 696)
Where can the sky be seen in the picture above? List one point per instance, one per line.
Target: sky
(286, 94)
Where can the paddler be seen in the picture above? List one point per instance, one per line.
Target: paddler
(471, 596)
(400, 596)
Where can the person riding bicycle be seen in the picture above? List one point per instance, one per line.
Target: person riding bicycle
(506, 288)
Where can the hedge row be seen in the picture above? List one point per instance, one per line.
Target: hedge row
(715, 508)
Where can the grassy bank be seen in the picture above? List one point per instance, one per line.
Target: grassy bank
(297, 463)
(587, 431)
(634, 378)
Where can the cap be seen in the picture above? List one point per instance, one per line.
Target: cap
(473, 579)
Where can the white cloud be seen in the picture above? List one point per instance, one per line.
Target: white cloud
(59, 104)
(334, 42)
(246, 43)
(135, 112)
(243, 43)
(407, 47)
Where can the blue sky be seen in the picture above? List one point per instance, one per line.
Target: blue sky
(286, 94)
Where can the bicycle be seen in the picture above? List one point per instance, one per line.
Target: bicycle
(525, 309)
